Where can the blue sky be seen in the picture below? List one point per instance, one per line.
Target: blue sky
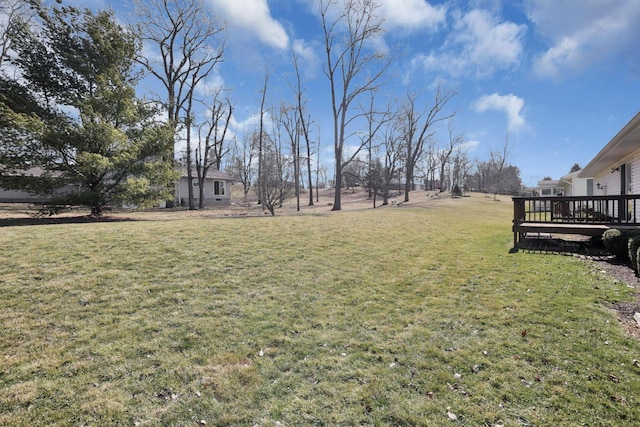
(559, 77)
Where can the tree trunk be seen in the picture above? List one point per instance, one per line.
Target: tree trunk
(309, 172)
(201, 190)
(337, 198)
(409, 181)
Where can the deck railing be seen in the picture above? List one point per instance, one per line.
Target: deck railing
(602, 210)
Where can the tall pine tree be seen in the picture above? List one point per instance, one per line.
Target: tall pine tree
(70, 108)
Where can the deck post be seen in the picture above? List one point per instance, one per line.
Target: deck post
(518, 217)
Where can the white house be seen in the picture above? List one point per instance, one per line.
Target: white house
(573, 185)
(616, 168)
(21, 196)
(217, 189)
(549, 187)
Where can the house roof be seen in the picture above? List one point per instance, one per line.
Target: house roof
(212, 174)
(548, 183)
(623, 144)
(219, 175)
(568, 179)
(33, 171)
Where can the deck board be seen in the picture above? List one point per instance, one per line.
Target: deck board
(522, 229)
(564, 228)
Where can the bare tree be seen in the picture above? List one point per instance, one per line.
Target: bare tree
(428, 163)
(12, 13)
(262, 134)
(461, 168)
(352, 69)
(275, 180)
(354, 174)
(418, 128)
(305, 122)
(375, 121)
(241, 164)
(189, 39)
(453, 143)
(393, 158)
(500, 160)
(211, 137)
(289, 119)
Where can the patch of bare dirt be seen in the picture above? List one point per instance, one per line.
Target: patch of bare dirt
(626, 310)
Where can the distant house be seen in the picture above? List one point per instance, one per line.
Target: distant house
(21, 196)
(616, 168)
(573, 185)
(568, 185)
(217, 189)
(549, 187)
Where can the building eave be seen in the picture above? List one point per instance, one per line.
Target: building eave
(622, 145)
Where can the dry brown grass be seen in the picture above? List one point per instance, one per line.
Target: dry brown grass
(352, 199)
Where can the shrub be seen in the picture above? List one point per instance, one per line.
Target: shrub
(634, 245)
(616, 243)
(455, 191)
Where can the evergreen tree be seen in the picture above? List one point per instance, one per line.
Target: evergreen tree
(72, 111)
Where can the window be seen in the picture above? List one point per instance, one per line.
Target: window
(546, 192)
(589, 186)
(218, 188)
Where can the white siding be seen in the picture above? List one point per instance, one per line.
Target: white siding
(635, 176)
(609, 184)
(634, 167)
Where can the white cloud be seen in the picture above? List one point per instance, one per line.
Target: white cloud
(245, 125)
(212, 84)
(470, 145)
(93, 4)
(510, 104)
(478, 44)
(412, 14)
(597, 32)
(307, 57)
(254, 16)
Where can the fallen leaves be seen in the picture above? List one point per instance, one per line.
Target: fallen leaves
(451, 415)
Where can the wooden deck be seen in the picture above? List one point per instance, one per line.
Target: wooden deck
(589, 216)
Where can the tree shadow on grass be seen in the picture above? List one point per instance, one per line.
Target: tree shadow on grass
(84, 219)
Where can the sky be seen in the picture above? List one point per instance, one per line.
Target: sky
(557, 79)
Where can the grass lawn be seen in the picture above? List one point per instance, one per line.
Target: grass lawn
(411, 315)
